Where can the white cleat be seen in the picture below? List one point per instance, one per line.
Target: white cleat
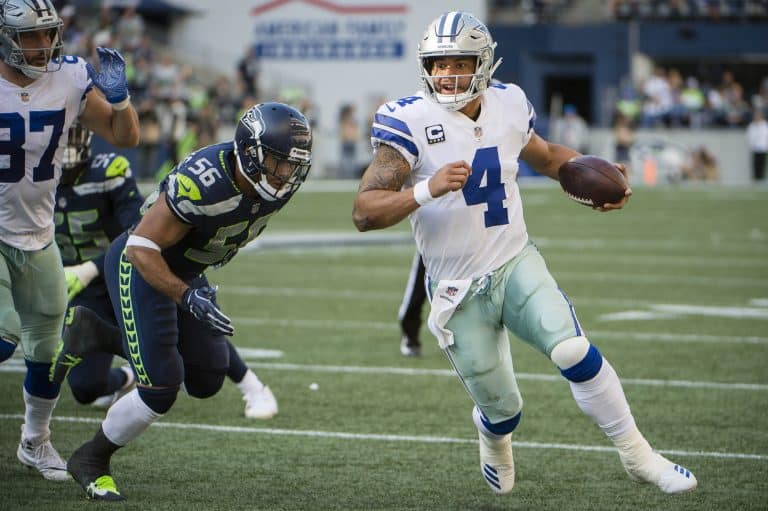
(108, 400)
(497, 464)
(43, 458)
(668, 476)
(260, 404)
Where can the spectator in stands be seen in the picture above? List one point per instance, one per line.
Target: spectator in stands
(693, 101)
(349, 134)
(248, 71)
(629, 103)
(571, 130)
(129, 29)
(658, 99)
(734, 109)
(624, 138)
(757, 136)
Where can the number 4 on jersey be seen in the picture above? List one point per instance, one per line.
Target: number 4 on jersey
(487, 163)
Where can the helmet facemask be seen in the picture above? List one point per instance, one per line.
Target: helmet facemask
(273, 144)
(77, 153)
(19, 18)
(457, 34)
(278, 175)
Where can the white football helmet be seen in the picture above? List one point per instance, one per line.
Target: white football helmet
(455, 34)
(19, 16)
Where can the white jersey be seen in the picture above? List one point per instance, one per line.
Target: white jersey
(34, 121)
(469, 233)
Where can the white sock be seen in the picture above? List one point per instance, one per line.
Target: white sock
(128, 418)
(249, 382)
(634, 449)
(603, 400)
(37, 417)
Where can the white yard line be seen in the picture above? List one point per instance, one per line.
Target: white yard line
(395, 438)
(391, 326)
(396, 296)
(406, 371)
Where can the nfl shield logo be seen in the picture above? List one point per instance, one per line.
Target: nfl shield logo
(451, 291)
(478, 132)
(25, 96)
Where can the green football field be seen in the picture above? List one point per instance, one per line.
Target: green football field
(673, 290)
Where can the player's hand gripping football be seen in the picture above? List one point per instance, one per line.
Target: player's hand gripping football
(450, 178)
(200, 303)
(627, 193)
(110, 78)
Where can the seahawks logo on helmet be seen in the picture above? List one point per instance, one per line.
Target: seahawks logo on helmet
(254, 122)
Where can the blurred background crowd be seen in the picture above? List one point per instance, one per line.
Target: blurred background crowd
(182, 107)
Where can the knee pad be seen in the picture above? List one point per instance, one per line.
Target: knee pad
(577, 359)
(203, 384)
(499, 429)
(160, 400)
(6, 349)
(37, 383)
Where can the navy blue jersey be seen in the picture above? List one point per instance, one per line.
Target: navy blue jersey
(102, 203)
(201, 191)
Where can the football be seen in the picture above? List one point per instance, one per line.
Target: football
(592, 181)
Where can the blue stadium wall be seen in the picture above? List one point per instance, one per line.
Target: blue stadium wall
(533, 53)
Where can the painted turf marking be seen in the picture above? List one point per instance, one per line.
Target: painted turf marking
(391, 327)
(520, 376)
(674, 311)
(16, 365)
(396, 438)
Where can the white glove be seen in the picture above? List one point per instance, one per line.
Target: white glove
(79, 276)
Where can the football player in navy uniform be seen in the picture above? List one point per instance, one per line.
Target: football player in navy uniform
(215, 201)
(41, 93)
(490, 279)
(96, 201)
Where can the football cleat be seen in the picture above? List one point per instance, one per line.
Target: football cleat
(108, 400)
(668, 476)
(103, 488)
(84, 332)
(92, 474)
(260, 404)
(409, 348)
(43, 458)
(497, 464)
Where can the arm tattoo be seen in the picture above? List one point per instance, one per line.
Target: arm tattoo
(388, 171)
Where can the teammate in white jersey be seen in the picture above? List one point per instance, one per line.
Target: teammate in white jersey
(41, 93)
(448, 158)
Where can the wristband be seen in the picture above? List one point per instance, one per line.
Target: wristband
(421, 192)
(121, 105)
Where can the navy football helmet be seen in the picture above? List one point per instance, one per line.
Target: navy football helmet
(273, 145)
(18, 17)
(77, 152)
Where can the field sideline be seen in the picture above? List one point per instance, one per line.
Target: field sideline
(674, 291)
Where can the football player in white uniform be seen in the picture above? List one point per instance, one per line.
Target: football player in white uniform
(41, 94)
(447, 157)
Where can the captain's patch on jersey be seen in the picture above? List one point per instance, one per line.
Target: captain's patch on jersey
(435, 133)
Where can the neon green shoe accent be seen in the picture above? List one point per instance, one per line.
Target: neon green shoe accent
(70, 317)
(103, 488)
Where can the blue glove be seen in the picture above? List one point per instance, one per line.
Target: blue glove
(111, 78)
(200, 303)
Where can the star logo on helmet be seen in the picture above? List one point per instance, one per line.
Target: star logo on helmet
(254, 122)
